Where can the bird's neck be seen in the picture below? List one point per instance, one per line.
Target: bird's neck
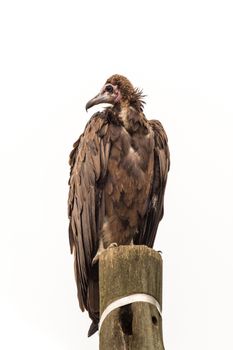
(124, 113)
(132, 119)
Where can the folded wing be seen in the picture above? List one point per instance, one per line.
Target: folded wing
(88, 162)
(148, 229)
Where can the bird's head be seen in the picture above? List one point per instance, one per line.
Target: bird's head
(118, 90)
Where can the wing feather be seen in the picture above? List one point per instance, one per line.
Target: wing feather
(154, 214)
(88, 161)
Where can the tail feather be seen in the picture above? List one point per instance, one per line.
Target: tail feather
(93, 328)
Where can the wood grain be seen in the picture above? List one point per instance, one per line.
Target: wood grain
(123, 271)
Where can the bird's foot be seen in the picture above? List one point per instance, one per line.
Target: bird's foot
(131, 243)
(101, 250)
(112, 245)
(97, 256)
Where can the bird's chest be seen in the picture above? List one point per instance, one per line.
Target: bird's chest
(130, 163)
(126, 153)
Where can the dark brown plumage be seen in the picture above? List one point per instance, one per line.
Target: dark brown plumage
(119, 169)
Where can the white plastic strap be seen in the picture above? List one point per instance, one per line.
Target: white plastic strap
(139, 297)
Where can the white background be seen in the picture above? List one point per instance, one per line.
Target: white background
(55, 56)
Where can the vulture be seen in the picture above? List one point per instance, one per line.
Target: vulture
(119, 168)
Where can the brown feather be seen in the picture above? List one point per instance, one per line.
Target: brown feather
(151, 221)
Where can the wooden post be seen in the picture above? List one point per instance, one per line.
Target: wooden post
(124, 271)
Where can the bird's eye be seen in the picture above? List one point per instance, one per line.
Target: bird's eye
(109, 88)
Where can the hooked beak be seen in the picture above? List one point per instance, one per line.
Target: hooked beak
(102, 97)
